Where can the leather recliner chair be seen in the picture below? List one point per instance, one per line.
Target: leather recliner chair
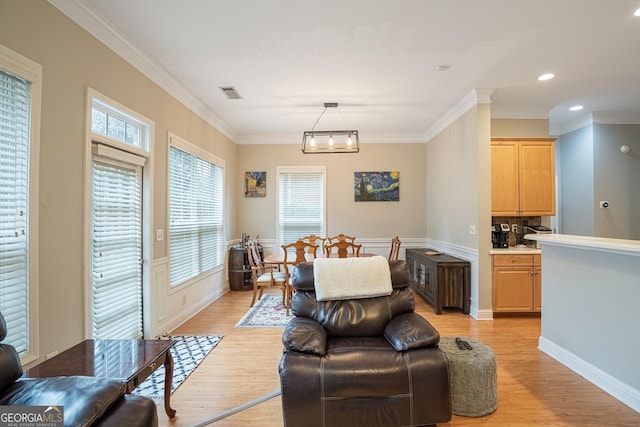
(361, 362)
(85, 401)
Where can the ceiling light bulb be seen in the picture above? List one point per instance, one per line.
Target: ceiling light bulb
(313, 141)
(636, 13)
(331, 140)
(576, 108)
(349, 142)
(547, 76)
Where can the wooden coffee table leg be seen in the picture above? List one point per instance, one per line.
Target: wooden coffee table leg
(168, 381)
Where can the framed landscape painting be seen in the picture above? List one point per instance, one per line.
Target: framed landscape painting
(376, 186)
(255, 184)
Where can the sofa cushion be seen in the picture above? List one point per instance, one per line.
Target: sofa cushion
(409, 331)
(10, 367)
(130, 411)
(84, 399)
(358, 317)
(304, 335)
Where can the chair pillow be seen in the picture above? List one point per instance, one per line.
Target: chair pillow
(304, 335)
(410, 331)
(351, 278)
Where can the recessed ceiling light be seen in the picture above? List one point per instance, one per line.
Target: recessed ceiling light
(547, 76)
(636, 13)
(576, 108)
(442, 67)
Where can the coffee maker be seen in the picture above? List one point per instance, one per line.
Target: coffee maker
(500, 235)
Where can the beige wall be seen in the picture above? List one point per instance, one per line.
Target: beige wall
(458, 166)
(405, 218)
(73, 60)
(519, 128)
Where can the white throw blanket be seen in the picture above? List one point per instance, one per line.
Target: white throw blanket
(351, 278)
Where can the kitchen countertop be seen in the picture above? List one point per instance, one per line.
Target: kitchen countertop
(602, 244)
(513, 250)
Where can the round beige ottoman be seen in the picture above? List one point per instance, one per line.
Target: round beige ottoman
(473, 377)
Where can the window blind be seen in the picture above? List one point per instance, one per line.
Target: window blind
(116, 249)
(14, 196)
(300, 205)
(196, 241)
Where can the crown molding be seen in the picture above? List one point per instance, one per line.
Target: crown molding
(470, 100)
(616, 118)
(596, 118)
(100, 28)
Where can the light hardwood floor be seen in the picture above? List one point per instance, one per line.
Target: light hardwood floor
(533, 388)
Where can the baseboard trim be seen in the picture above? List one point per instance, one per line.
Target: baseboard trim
(616, 388)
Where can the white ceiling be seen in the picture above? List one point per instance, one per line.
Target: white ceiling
(377, 60)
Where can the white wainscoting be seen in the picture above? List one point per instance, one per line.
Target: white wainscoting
(470, 255)
(378, 246)
(171, 307)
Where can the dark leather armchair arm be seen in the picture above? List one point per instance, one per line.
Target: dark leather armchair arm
(409, 331)
(305, 335)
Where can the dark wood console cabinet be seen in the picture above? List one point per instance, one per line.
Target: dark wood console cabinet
(442, 280)
(239, 269)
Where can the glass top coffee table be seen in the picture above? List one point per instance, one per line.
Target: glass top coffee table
(131, 361)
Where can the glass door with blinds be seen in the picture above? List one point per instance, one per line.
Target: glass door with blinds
(116, 253)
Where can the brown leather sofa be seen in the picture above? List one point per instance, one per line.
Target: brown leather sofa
(361, 362)
(85, 401)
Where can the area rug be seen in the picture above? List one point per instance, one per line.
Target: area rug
(188, 352)
(267, 312)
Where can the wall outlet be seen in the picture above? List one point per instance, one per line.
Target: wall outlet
(159, 235)
(514, 228)
(472, 230)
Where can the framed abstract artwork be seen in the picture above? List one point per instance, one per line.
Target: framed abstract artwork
(255, 184)
(376, 186)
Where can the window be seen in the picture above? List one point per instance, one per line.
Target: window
(196, 233)
(107, 121)
(20, 86)
(301, 202)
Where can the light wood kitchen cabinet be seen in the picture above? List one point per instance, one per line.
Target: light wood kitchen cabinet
(523, 177)
(516, 283)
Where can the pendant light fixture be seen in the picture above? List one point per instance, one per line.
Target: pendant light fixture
(330, 141)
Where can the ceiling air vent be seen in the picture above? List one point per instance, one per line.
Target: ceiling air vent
(231, 92)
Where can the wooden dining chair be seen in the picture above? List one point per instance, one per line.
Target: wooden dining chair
(343, 249)
(302, 251)
(314, 240)
(340, 237)
(264, 275)
(394, 252)
(337, 238)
